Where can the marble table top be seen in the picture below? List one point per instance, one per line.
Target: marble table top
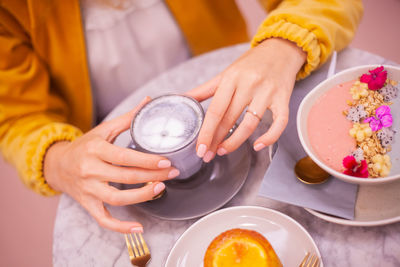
(80, 241)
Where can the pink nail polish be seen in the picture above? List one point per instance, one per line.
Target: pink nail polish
(173, 173)
(158, 188)
(221, 151)
(208, 156)
(259, 146)
(164, 164)
(201, 150)
(137, 229)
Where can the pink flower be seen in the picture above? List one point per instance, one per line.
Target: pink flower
(353, 168)
(383, 118)
(376, 79)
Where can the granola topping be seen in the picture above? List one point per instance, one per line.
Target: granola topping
(371, 116)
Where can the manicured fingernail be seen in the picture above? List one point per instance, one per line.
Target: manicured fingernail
(173, 173)
(158, 188)
(221, 151)
(201, 150)
(137, 229)
(164, 163)
(208, 156)
(259, 146)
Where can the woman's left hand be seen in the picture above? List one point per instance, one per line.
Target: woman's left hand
(261, 79)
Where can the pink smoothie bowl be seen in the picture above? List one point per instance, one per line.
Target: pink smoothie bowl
(315, 94)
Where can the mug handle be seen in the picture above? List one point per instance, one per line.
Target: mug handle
(131, 145)
(231, 131)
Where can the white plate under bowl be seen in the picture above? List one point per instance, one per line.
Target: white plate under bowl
(375, 205)
(289, 239)
(342, 77)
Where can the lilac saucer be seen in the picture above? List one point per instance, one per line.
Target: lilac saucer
(212, 187)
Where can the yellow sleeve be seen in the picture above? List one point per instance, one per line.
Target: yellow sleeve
(319, 27)
(32, 116)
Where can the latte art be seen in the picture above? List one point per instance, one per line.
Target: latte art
(167, 124)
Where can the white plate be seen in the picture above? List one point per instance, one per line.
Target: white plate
(375, 205)
(288, 238)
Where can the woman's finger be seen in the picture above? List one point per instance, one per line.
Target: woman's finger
(280, 120)
(116, 197)
(205, 90)
(214, 114)
(127, 157)
(104, 219)
(247, 126)
(239, 103)
(131, 175)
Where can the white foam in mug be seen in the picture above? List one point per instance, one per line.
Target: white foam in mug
(169, 125)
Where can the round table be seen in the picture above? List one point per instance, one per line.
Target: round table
(80, 241)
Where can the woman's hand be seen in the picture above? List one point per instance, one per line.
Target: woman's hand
(83, 168)
(261, 79)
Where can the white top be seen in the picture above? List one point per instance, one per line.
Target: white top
(127, 46)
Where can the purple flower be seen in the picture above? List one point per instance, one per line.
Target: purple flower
(383, 118)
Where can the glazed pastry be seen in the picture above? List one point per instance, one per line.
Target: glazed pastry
(240, 247)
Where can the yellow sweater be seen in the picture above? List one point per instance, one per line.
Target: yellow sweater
(45, 93)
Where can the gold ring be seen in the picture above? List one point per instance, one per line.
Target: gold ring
(254, 114)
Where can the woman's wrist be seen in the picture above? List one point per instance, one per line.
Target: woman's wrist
(50, 161)
(289, 52)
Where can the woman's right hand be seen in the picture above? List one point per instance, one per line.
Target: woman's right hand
(83, 169)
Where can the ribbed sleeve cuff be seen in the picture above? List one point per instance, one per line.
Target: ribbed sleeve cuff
(37, 148)
(302, 37)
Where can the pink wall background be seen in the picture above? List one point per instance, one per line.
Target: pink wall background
(27, 219)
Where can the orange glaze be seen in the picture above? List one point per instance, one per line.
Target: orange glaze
(240, 248)
(328, 129)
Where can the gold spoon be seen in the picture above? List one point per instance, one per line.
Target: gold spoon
(308, 172)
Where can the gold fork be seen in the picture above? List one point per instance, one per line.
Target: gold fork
(139, 253)
(308, 261)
